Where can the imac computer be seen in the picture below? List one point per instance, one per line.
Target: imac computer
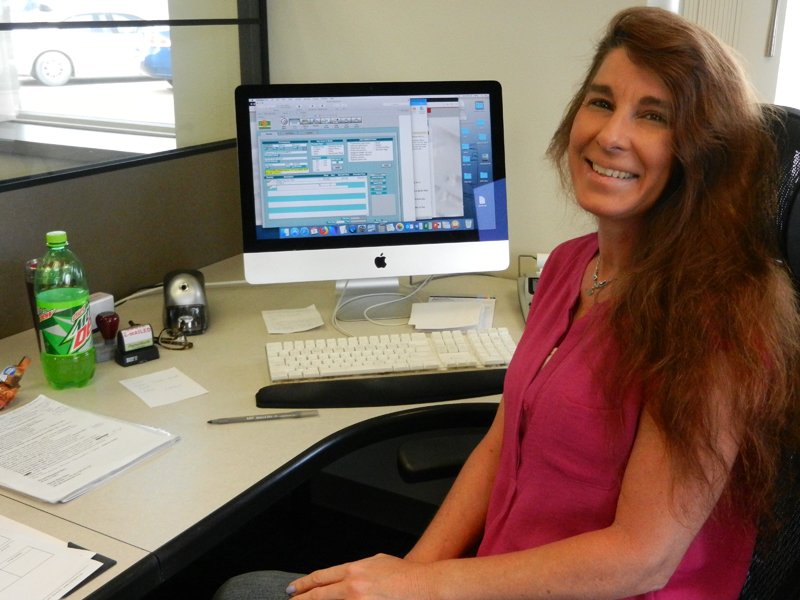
(370, 182)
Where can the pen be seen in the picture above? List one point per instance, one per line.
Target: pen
(295, 414)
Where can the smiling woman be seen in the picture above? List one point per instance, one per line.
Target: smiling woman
(620, 146)
(86, 83)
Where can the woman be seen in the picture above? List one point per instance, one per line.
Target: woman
(642, 417)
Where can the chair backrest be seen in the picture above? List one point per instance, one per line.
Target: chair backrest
(775, 568)
(787, 134)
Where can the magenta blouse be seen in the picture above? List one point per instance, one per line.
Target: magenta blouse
(565, 447)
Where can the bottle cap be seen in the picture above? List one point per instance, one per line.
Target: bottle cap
(56, 238)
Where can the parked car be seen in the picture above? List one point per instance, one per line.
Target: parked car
(157, 62)
(55, 56)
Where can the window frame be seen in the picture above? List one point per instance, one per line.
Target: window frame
(251, 21)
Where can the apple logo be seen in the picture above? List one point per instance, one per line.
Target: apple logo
(380, 261)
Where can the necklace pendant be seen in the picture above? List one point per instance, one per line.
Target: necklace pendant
(597, 285)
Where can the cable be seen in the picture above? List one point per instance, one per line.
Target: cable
(139, 293)
(146, 291)
(419, 287)
(400, 298)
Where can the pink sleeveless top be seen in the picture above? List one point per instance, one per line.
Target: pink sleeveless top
(565, 447)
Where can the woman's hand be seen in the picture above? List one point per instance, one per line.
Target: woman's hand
(381, 576)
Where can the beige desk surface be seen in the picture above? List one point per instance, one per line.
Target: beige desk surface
(146, 507)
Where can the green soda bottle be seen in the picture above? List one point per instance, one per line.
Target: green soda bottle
(62, 304)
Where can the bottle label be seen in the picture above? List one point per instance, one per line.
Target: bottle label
(65, 329)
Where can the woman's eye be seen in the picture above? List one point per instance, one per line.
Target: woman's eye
(599, 103)
(656, 117)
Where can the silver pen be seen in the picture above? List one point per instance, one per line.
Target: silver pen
(295, 414)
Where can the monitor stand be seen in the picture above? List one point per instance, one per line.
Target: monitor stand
(357, 295)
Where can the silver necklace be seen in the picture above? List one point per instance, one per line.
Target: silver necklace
(596, 284)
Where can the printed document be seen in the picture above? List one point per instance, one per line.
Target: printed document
(36, 566)
(55, 453)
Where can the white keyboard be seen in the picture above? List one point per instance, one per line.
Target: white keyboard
(389, 353)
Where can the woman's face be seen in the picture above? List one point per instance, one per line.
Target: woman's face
(620, 146)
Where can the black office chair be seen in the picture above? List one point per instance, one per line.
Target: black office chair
(775, 569)
(787, 134)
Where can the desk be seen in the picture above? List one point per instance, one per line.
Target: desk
(158, 516)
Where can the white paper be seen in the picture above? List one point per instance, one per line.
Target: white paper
(37, 566)
(292, 320)
(164, 387)
(54, 452)
(486, 303)
(444, 312)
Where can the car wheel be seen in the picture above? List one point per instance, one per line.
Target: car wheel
(52, 68)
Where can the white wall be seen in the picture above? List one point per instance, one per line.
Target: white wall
(537, 49)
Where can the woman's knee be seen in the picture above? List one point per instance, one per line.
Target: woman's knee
(257, 585)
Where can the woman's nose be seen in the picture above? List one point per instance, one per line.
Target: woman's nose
(615, 132)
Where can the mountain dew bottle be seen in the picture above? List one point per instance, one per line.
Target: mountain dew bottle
(62, 304)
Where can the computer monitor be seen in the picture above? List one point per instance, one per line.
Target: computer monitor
(364, 181)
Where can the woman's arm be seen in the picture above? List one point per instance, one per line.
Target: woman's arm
(458, 524)
(655, 522)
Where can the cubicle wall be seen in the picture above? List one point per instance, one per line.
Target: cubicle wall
(130, 226)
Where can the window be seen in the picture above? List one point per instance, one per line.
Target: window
(88, 83)
(788, 90)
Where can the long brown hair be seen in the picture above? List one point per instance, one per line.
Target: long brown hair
(706, 310)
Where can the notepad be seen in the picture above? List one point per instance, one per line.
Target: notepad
(55, 452)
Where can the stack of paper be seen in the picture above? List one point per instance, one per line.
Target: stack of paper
(55, 453)
(449, 312)
(36, 566)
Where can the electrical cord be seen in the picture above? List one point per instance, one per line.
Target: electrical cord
(341, 303)
(148, 290)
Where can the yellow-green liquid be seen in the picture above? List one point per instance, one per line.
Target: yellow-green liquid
(68, 370)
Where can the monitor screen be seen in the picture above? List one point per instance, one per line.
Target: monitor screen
(371, 180)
